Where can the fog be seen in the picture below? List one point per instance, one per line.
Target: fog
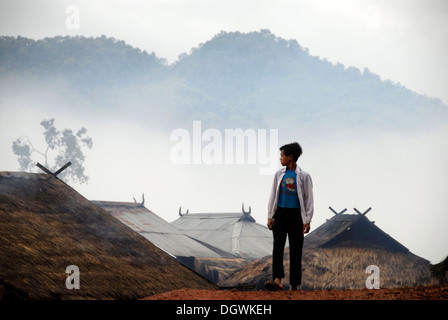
(401, 40)
(401, 176)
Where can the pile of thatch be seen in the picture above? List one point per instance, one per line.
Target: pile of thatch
(342, 268)
(45, 226)
(440, 271)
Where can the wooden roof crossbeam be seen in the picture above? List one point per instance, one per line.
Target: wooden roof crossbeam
(357, 211)
(337, 213)
(182, 214)
(364, 213)
(53, 174)
(143, 200)
(246, 212)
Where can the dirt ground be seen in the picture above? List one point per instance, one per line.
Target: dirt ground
(436, 292)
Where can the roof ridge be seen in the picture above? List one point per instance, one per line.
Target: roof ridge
(24, 175)
(116, 203)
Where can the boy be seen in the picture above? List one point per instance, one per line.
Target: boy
(290, 210)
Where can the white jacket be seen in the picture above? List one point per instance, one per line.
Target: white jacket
(304, 192)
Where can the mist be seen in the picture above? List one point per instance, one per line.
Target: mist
(400, 175)
(368, 142)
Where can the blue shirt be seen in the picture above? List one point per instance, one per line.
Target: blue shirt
(288, 197)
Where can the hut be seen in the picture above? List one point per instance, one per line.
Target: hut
(160, 232)
(55, 244)
(237, 233)
(336, 256)
(352, 230)
(211, 262)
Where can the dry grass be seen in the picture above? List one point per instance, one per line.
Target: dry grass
(342, 268)
(46, 226)
(345, 268)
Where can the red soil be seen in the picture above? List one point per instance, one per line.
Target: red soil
(436, 292)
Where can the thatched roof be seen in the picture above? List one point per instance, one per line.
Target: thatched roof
(159, 231)
(440, 271)
(340, 268)
(45, 226)
(203, 258)
(336, 255)
(237, 233)
(351, 230)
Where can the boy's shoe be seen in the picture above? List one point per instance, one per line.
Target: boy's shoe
(269, 285)
(293, 288)
(272, 286)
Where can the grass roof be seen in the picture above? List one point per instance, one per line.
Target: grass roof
(45, 226)
(341, 268)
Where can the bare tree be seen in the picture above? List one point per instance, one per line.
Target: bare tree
(62, 147)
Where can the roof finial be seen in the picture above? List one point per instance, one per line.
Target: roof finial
(53, 174)
(336, 213)
(250, 209)
(143, 200)
(180, 212)
(364, 213)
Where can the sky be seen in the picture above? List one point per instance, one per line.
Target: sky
(405, 41)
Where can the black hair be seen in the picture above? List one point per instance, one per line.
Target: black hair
(293, 149)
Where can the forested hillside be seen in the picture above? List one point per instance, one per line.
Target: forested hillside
(252, 79)
(88, 62)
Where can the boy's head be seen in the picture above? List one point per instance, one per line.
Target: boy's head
(292, 149)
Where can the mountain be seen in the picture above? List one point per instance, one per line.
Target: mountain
(82, 62)
(251, 79)
(277, 79)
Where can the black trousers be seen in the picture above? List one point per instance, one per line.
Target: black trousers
(288, 223)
